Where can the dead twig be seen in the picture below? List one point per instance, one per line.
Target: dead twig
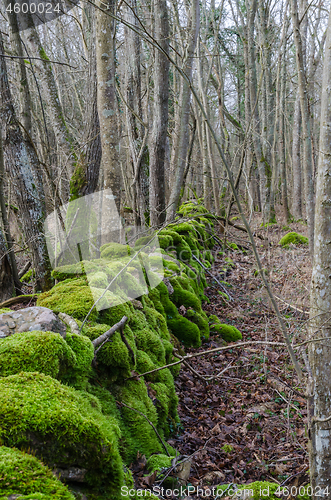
(105, 336)
(150, 423)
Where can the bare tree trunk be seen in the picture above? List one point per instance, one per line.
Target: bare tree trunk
(264, 194)
(319, 352)
(296, 160)
(22, 164)
(6, 278)
(185, 98)
(158, 141)
(5, 222)
(107, 106)
(281, 141)
(91, 158)
(306, 132)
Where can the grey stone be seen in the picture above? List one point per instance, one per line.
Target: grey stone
(30, 319)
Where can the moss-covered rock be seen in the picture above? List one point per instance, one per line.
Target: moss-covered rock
(227, 332)
(72, 297)
(114, 250)
(62, 426)
(201, 321)
(44, 352)
(23, 474)
(294, 239)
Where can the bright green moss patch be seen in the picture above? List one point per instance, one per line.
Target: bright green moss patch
(23, 474)
(158, 462)
(227, 332)
(84, 352)
(5, 310)
(63, 426)
(293, 238)
(44, 352)
(114, 250)
(72, 297)
(200, 321)
(186, 331)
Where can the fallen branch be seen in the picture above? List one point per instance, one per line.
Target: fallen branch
(150, 423)
(24, 270)
(68, 320)
(105, 336)
(18, 300)
(291, 306)
(210, 351)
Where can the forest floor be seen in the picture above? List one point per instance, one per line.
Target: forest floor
(250, 423)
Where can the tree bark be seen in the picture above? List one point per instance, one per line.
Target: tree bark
(158, 143)
(319, 353)
(107, 106)
(306, 132)
(22, 164)
(6, 277)
(185, 98)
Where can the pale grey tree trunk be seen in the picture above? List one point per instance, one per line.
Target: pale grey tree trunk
(306, 132)
(251, 6)
(158, 142)
(319, 352)
(107, 105)
(281, 138)
(185, 98)
(296, 161)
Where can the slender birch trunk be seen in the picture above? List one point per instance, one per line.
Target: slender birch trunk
(319, 352)
(306, 131)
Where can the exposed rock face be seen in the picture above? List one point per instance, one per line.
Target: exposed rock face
(30, 319)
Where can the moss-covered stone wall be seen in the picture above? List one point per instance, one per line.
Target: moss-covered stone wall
(94, 414)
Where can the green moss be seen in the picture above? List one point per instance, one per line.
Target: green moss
(61, 425)
(77, 182)
(165, 241)
(158, 462)
(185, 298)
(186, 331)
(114, 355)
(114, 250)
(227, 332)
(72, 297)
(43, 54)
(44, 352)
(23, 474)
(98, 280)
(5, 310)
(84, 352)
(138, 435)
(200, 321)
(293, 238)
(28, 276)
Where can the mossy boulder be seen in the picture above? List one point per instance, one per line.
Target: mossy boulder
(201, 321)
(71, 296)
(23, 474)
(294, 239)
(227, 332)
(62, 426)
(114, 251)
(44, 352)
